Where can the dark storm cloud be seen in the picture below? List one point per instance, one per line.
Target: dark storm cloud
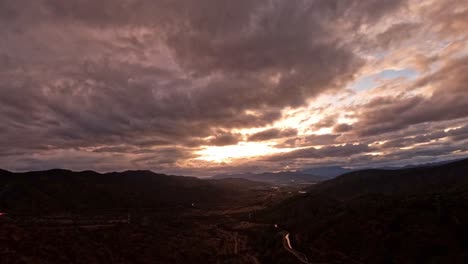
(459, 133)
(341, 128)
(326, 139)
(162, 157)
(410, 141)
(427, 151)
(419, 156)
(273, 133)
(224, 138)
(321, 153)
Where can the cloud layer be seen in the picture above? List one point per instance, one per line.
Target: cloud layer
(121, 84)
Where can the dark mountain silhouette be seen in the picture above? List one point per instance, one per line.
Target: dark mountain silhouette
(58, 190)
(4, 172)
(334, 171)
(424, 179)
(415, 215)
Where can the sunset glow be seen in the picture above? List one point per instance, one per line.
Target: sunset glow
(175, 86)
(233, 131)
(241, 150)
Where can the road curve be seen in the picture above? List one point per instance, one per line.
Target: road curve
(299, 255)
(288, 246)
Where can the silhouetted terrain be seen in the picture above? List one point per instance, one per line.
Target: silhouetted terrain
(63, 190)
(443, 178)
(417, 215)
(60, 216)
(414, 215)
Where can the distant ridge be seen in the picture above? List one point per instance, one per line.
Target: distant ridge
(409, 166)
(315, 174)
(329, 171)
(419, 179)
(284, 177)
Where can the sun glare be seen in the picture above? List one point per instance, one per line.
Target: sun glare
(241, 150)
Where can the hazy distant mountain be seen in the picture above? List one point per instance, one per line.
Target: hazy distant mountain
(409, 166)
(328, 172)
(334, 171)
(284, 177)
(311, 175)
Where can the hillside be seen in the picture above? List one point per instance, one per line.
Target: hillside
(59, 190)
(376, 216)
(427, 179)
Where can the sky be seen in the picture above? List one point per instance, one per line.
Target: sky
(220, 86)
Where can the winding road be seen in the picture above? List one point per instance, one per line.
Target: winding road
(302, 257)
(288, 246)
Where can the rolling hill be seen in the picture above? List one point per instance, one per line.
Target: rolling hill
(425, 179)
(415, 215)
(59, 190)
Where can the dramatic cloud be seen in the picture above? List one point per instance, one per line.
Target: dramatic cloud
(157, 84)
(272, 134)
(325, 152)
(449, 100)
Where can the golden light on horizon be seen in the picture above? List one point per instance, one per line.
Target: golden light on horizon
(241, 150)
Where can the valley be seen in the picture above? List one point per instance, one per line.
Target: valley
(414, 215)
